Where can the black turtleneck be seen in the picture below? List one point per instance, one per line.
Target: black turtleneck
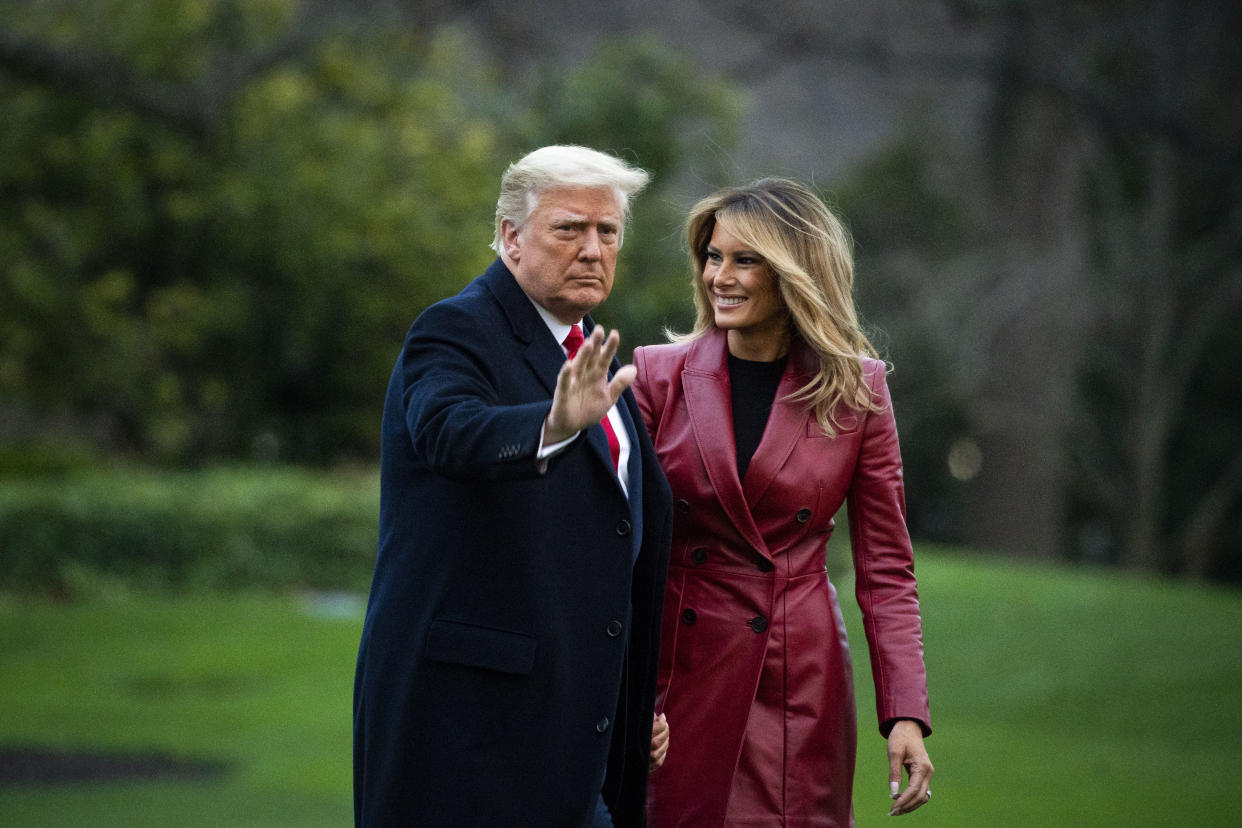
(753, 390)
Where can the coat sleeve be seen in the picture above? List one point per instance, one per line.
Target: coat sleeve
(448, 387)
(884, 568)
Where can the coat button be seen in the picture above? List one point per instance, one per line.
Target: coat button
(623, 527)
(602, 725)
(764, 565)
(613, 629)
(689, 616)
(803, 515)
(699, 555)
(683, 505)
(758, 623)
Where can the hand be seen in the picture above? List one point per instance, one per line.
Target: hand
(659, 742)
(583, 392)
(905, 749)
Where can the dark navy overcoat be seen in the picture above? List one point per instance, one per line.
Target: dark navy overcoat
(508, 659)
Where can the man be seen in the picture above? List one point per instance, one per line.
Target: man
(507, 667)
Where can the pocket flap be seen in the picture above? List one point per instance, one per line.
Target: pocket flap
(473, 646)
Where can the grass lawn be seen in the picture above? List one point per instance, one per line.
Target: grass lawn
(258, 682)
(1067, 698)
(1059, 698)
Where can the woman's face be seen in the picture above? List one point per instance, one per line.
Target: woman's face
(742, 289)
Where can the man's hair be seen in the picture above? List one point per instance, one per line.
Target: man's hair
(559, 167)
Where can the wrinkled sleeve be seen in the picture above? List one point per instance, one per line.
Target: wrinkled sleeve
(884, 567)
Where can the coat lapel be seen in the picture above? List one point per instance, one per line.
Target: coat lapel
(542, 353)
(705, 382)
(786, 425)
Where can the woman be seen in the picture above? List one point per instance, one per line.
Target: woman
(766, 417)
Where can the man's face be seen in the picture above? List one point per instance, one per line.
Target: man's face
(565, 255)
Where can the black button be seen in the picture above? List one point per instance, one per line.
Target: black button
(602, 725)
(689, 616)
(623, 527)
(613, 629)
(699, 555)
(683, 505)
(764, 565)
(803, 515)
(758, 623)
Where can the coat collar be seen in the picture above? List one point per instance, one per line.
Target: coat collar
(543, 353)
(705, 380)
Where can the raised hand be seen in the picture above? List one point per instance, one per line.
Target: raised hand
(583, 391)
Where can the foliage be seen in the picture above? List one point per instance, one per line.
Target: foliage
(652, 106)
(91, 531)
(232, 276)
(1111, 699)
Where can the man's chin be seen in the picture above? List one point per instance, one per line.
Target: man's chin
(581, 302)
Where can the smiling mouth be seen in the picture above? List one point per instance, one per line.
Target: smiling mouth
(730, 301)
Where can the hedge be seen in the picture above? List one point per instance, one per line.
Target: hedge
(216, 529)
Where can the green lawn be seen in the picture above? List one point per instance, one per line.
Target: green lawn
(1067, 698)
(1059, 697)
(258, 682)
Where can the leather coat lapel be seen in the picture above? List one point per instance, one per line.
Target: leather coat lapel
(705, 382)
(786, 425)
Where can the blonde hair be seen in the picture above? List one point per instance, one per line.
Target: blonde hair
(561, 166)
(810, 254)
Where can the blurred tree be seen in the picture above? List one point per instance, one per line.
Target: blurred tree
(654, 107)
(1141, 101)
(1067, 287)
(218, 218)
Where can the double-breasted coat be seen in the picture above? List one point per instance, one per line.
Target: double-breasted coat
(754, 672)
(506, 672)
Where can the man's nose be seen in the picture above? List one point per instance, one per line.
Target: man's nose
(591, 248)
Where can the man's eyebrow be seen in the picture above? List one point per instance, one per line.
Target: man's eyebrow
(577, 218)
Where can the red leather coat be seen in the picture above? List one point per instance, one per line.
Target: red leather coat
(754, 669)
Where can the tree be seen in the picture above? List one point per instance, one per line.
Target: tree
(217, 218)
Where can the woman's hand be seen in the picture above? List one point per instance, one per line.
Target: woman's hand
(659, 742)
(905, 750)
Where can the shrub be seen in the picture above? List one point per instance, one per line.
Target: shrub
(214, 529)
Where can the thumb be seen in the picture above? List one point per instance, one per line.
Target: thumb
(622, 380)
(894, 775)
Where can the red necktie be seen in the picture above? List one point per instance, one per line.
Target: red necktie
(573, 341)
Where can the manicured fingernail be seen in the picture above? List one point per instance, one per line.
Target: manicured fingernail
(892, 790)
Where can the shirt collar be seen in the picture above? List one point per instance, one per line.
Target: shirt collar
(558, 328)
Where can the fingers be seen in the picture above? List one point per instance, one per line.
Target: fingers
(659, 742)
(916, 793)
(598, 350)
(594, 359)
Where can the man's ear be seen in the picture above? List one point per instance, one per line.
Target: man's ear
(509, 240)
